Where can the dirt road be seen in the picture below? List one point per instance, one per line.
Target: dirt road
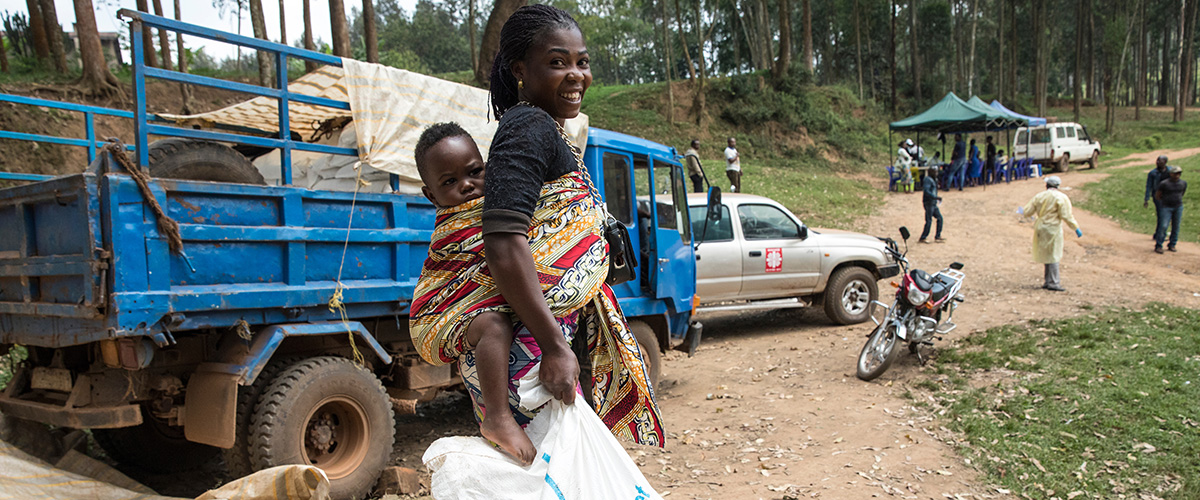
(769, 407)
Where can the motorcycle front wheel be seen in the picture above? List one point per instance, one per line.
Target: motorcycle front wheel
(879, 352)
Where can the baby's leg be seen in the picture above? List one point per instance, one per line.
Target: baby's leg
(492, 335)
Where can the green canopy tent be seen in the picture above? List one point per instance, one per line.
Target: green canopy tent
(953, 115)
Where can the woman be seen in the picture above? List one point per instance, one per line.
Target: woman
(546, 258)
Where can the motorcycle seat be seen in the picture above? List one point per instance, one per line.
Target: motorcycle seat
(921, 279)
(939, 291)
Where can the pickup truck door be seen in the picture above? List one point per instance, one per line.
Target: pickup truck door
(718, 256)
(776, 261)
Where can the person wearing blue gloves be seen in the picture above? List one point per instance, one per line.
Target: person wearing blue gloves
(1051, 208)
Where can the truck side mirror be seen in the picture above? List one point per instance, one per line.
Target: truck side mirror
(804, 232)
(714, 203)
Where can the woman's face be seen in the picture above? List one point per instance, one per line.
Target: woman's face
(555, 73)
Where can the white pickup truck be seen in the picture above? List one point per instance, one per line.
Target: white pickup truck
(765, 257)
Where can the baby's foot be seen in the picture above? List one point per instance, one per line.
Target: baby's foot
(504, 431)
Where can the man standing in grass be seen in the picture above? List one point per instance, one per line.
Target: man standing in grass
(1170, 194)
(1155, 176)
(692, 157)
(1051, 208)
(733, 166)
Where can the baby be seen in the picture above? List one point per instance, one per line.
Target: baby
(451, 168)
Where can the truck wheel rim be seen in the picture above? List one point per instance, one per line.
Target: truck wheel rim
(855, 298)
(336, 436)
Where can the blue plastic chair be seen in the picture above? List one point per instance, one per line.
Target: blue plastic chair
(894, 177)
(1020, 169)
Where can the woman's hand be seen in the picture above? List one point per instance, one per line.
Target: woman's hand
(512, 266)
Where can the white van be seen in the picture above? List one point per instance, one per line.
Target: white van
(1058, 144)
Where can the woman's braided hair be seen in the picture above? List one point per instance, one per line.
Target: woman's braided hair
(524, 27)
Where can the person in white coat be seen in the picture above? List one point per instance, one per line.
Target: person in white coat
(1051, 208)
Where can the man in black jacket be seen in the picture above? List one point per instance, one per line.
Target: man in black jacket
(930, 199)
(1154, 177)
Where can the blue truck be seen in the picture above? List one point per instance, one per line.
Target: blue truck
(229, 343)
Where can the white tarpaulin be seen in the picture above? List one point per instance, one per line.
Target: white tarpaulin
(389, 107)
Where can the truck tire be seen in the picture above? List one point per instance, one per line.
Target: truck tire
(648, 345)
(154, 446)
(849, 294)
(328, 412)
(237, 458)
(1064, 163)
(1094, 160)
(194, 160)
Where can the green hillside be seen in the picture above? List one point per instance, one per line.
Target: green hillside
(815, 149)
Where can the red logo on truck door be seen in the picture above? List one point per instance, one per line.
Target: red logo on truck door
(774, 260)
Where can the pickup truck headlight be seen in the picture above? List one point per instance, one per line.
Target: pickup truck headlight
(917, 297)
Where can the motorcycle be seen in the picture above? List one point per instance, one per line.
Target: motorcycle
(915, 315)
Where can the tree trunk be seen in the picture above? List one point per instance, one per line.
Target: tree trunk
(1139, 92)
(341, 33)
(185, 90)
(687, 56)
(1079, 56)
(768, 34)
(149, 55)
(1039, 66)
(666, 46)
(956, 56)
(700, 101)
(808, 39)
(471, 33)
(54, 35)
(163, 39)
(1110, 113)
(1000, 52)
(858, 64)
(1188, 31)
(283, 24)
(892, 55)
(1164, 77)
(1180, 64)
(1013, 84)
(785, 40)
(96, 80)
(971, 55)
(490, 43)
(1093, 90)
(309, 66)
(370, 36)
(37, 27)
(916, 58)
(259, 24)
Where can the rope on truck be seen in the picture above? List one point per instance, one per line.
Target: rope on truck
(335, 302)
(166, 225)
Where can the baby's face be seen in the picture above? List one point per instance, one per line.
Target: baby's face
(455, 171)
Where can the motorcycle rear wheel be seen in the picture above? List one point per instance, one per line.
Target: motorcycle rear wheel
(879, 352)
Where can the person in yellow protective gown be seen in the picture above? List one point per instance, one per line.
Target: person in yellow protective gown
(1051, 208)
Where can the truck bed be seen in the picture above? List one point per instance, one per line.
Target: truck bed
(262, 254)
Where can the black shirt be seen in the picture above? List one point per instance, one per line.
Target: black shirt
(1171, 192)
(527, 151)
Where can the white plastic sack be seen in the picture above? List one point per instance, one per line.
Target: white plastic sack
(577, 459)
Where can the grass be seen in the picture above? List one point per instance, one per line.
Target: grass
(1119, 197)
(1101, 406)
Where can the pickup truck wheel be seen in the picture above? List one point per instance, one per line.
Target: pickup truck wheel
(201, 161)
(327, 412)
(154, 446)
(648, 345)
(1064, 163)
(237, 458)
(1094, 160)
(849, 294)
